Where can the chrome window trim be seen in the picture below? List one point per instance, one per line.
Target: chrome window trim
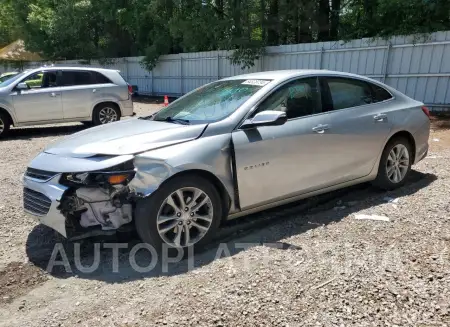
(272, 91)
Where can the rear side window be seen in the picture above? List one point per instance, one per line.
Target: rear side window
(71, 78)
(100, 78)
(348, 93)
(380, 94)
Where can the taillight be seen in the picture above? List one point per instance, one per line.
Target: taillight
(426, 111)
(130, 89)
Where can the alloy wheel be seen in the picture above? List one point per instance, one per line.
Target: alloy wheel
(397, 164)
(2, 126)
(185, 217)
(107, 115)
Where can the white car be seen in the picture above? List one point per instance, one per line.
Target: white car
(51, 95)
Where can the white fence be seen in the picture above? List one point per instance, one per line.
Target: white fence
(415, 66)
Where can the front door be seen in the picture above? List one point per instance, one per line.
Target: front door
(274, 162)
(41, 102)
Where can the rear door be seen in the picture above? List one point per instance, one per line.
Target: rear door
(42, 101)
(359, 124)
(81, 90)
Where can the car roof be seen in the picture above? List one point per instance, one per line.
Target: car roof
(280, 75)
(55, 67)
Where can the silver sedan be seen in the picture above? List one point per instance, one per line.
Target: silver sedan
(227, 149)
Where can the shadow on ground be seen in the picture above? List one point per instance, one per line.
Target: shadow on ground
(151, 99)
(251, 230)
(43, 131)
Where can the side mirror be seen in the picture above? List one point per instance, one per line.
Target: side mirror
(22, 86)
(266, 118)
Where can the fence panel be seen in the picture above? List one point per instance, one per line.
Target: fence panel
(418, 67)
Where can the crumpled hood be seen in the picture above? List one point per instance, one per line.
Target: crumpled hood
(129, 136)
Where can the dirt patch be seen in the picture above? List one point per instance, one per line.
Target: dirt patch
(18, 279)
(441, 122)
(440, 136)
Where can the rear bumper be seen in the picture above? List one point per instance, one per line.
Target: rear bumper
(421, 137)
(127, 107)
(53, 191)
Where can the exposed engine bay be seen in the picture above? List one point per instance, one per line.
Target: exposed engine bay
(97, 206)
(98, 199)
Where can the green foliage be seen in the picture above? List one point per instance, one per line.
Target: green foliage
(8, 27)
(246, 57)
(385, 18)
(32, 83)
(100, 29)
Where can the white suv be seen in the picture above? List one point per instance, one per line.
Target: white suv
(51, 95)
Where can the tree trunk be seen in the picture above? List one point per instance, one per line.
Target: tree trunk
(273, 28)
(323, 20)
(262, 19)
(305, 30)
(219, 6)
(296, 23)
(334, 19)
(237, 29)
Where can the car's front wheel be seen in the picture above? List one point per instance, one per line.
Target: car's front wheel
(395, 164)
(184, 212)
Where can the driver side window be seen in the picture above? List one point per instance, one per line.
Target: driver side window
(41, 80)
(298, 98)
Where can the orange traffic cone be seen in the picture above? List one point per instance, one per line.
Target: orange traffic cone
(166, 101)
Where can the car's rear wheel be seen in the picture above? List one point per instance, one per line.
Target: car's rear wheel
(395, 164)
(5, 124)
(184, 212)
(105, 113)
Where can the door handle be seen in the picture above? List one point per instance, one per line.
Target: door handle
(380, 117)
(94, 90)
(53, 94)
(320, 128)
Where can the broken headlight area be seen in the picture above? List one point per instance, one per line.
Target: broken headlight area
(120, 174)
(99, 198)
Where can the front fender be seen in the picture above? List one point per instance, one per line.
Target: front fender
(209, 154)
(7, 106)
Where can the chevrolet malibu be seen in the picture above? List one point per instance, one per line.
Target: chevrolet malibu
(232, 147)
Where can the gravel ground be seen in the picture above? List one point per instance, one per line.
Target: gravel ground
(308, 264)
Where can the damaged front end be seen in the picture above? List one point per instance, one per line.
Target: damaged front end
(98, 202)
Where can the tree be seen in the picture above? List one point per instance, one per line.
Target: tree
(9, 31)
(95, 29)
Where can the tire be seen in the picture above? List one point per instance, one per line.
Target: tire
(105, 113)
(5, 124)
(387, 181)
(148, 210)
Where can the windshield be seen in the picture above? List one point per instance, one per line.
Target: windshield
(12, 80)
(212, 102)
(6, 76)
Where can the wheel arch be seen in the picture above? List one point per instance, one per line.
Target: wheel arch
(407, 135)
(106, 102)
(8, 114)
(397, 134)
(217, 183)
